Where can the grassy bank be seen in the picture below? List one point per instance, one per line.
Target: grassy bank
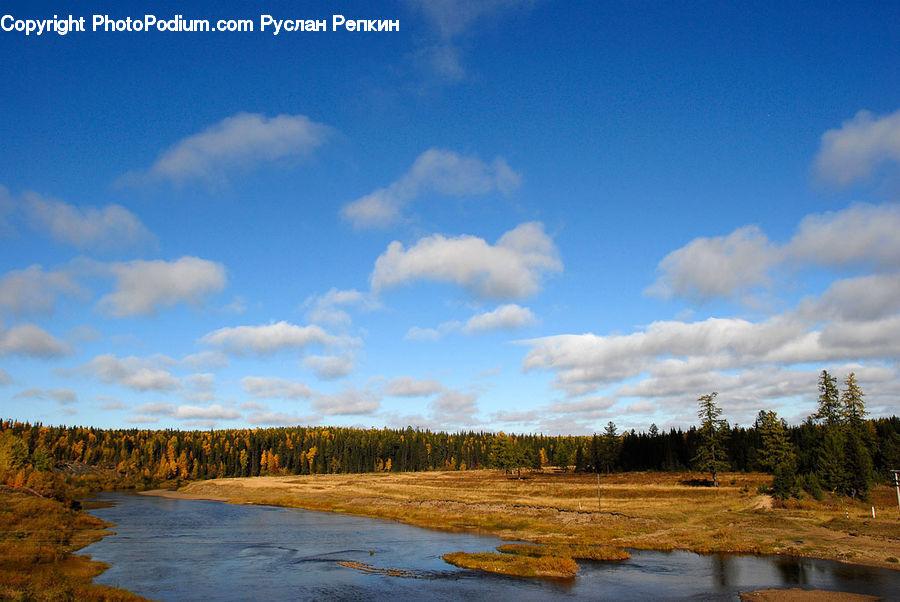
(659, 511)
(37, 539)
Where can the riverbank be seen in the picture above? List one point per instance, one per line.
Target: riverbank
(38, 542)
(653, 511)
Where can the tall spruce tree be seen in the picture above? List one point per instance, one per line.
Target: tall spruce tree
(609, 447)
(775, 454)
(858, 470)
(713, 431)
(829, 460)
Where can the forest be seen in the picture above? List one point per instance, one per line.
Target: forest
(836, 449)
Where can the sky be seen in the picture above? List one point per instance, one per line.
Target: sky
(527, 216)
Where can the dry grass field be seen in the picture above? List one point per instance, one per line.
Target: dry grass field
(660, 511)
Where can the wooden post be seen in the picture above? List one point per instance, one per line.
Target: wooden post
(598, 492)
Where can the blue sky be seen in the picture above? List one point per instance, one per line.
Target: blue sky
(520, 216)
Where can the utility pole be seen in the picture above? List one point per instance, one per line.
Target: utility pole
(897, 485)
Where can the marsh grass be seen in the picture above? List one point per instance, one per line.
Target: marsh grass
(37, 538)
(655, 511)
(515, 565)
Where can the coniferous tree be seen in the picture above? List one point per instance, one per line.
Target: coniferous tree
(776, 454)
(857, 453)
(710, 456)
(609, 447)
(829, 461)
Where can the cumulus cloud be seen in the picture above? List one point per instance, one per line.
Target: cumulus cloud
(721, 266)
(262, 387)
(184, 412)
(133, 372)
(512, 268)
(347, 402)
(505, 317)
(206, 360)
(435, 171)
(143, 287)
(853, 299)
(213, 412)
(269, 338)
(34, 291)
(31, 340)
(327, 308)
(330, 367)
(455, 407)
(242, 141)
(747, 362)
(278, 418)
(406, 386)
(856, 150)
(61, 396)
(96, 228)
(860, 236)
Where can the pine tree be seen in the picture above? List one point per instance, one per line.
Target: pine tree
(713, 430)
(857, 450)
(609, 447)
(829, 412)
(776, 454)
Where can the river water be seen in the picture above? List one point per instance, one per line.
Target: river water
(169, 549)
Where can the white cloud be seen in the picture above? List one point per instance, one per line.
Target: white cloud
(435, 171)
(213, 412)
(184, 412)
(156, 408)
(415, 333)
(858, 148)
(262, 387)
(31, 340)
(33, 291)
(278, 419)
(206, 360)
(326, 309)
(859, 235)
(133, 372)
(722, 266)
(455, 407)
(142, 287)
(269, 338)
(852, 299)
(505, 317)
(238, 142)
(347, 402)
(61, 396)
(108, 228)
(512, 268)
(142, 419)
(111, 403)
(330, 367)
(406, 386)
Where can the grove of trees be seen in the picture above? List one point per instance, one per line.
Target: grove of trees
(837, 449)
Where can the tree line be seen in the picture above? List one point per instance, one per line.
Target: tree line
(837, 449)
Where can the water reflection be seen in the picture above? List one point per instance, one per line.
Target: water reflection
(197, 550)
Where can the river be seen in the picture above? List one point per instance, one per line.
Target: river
(172, 549)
